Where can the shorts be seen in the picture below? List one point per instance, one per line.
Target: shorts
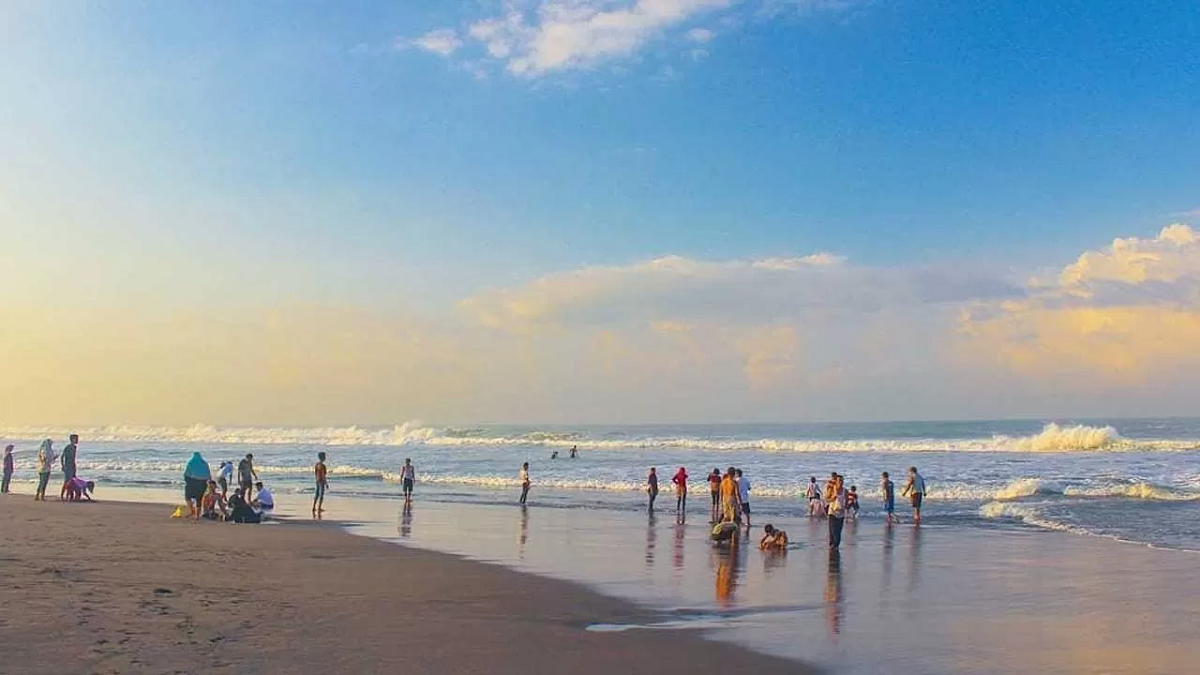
(917, 498)
(320, 491)
(223, 483)
(746, 508)
(408, 484)
(890, 506)
(69, 472)
(194, 488)
(246, 483)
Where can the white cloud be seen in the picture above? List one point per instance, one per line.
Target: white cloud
(1126, 312)
(681, 289)
(443, 42)
(538, 37)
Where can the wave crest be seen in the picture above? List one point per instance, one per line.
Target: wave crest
(1055, 438)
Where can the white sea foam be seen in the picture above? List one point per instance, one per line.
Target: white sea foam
(1053, 438)
(1027, 487)
(1138, 490)
(1024, 513)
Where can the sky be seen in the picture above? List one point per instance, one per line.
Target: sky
(604, 211)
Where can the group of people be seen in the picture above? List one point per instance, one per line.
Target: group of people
(730, 509)
(208, 497)
(73, 488)
(836, 503)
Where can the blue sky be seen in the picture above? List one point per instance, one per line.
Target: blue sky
(365, 154)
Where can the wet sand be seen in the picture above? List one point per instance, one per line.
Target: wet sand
(941, 599)
(122, 588)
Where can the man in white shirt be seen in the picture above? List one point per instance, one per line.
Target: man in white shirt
(263, 501)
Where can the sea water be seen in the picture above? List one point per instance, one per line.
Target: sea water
(1130, 479)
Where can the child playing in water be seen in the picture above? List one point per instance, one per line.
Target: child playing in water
(773, 539)
(852, 502)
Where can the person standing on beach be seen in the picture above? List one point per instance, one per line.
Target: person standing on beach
(744, 495)
(889, 497)
(68, 464)
(320, 473)
(408, 474)
(8, 469)
(714, 491)
(224, 476)
(679, 480)
(730, 503)
(915, 490)
(652, 487)
(525, 483)
(46, 459)
(836, 506)
(247, 475)
(196, 476)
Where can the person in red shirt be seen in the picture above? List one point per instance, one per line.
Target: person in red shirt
(680, 482)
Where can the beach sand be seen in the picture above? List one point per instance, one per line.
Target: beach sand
(123, 588)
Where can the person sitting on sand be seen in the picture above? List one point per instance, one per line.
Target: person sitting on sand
(773, 539)
(213, 505)
(240, 511)
(725, 532)
(264, 501)
(78, 489)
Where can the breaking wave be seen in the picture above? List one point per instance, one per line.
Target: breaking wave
(1052, 439)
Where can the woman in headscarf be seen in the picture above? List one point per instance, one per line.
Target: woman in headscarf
(45, 466)
(195, 478)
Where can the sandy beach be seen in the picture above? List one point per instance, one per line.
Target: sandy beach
(122, 588)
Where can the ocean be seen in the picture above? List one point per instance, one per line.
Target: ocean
(1134, 480)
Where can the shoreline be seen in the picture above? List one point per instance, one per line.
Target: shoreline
(118, 587)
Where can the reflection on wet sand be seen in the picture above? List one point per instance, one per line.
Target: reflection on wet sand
(889, 549)
(524, 538)
(727, 573)
(833, 594)
(774, 561)
(651, 539)
(680, 542)
(914, 560)
(406, 520)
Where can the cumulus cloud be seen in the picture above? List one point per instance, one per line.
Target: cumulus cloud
(1129, 310)
(535, 38)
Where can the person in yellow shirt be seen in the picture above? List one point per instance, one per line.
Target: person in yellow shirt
(731, 505)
